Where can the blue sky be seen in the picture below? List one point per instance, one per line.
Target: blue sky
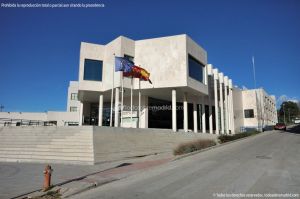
(39, 48)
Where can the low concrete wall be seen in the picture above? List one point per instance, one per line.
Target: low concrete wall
(119, 143)
(86, 144)
(62, 117)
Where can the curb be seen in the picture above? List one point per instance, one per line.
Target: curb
(76, 186)
(215, 146)
(72, 192)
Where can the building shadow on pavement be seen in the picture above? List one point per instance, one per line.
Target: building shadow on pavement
(294, 129)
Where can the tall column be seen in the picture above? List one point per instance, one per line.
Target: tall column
(229, 111)
(195, 117)
(144, 115)
(174, 112)
(80, 113)
(210, 108)
(203, 116)
(226, 110)
(200, 113)
(117, 107)
(232, 112)
(222, 108)
(216, 105)
(185, 113)
(139, 112)
(100, 112)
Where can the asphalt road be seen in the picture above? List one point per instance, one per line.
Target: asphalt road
(268, 163)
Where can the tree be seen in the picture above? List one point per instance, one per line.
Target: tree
(288, 111)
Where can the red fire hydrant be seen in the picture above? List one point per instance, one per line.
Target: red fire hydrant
(47, 177)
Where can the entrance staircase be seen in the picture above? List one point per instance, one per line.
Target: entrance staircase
(67, 145)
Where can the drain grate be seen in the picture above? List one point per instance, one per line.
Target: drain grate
(263, 157)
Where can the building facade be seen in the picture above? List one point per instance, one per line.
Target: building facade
(256, 109)
(186, 94)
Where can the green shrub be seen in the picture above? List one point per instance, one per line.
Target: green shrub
(191, 146)
(227, 138)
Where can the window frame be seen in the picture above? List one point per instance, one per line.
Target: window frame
(72, 96)
(249, 113)
(202, 68)
(85, 73)
(73, 109)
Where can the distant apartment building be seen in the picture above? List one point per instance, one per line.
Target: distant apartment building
(72, 100)
(256, 108)
(59, 118)
(186, 94)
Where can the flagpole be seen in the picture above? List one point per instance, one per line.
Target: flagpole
(257, 101)
(131, 102)
(139, 103)
(112, 97)
(253, 64)
(122, 100)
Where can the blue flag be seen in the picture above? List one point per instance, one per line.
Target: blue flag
(122, 64)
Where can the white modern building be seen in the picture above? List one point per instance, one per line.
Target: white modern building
(255, 109)
(186, 94)
(184, 85)
(72, 100)
(59, 118)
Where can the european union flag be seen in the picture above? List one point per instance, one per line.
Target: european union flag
(122, 64)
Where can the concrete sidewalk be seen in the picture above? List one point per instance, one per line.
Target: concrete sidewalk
(18, 180)
(107, 176)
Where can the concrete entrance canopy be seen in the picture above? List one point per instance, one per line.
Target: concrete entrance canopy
(93, 96)
(159, 93)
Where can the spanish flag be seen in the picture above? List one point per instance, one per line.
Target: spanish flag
(138, 72)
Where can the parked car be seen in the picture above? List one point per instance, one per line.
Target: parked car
(297, 121)
(280, 126)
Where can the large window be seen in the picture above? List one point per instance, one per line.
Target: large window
(92, 70)
(195, 69)
(249, 113)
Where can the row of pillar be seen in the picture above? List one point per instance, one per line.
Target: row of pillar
(224, 86)
(202, 119)
(224, 107)
(226, 125)
(100, 113)
(223, 101)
